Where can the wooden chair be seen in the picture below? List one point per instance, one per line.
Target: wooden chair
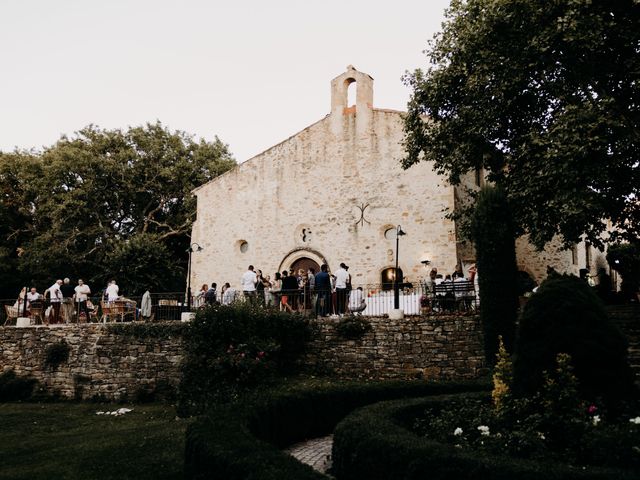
(105, 308)
(37, 313)
(11, 314)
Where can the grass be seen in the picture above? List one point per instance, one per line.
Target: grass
(69, 441)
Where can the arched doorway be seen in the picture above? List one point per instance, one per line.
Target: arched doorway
(302, 258)
(305, 263)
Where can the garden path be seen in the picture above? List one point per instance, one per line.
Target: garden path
(315, 452)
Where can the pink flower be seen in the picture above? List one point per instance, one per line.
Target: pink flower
(592, 409)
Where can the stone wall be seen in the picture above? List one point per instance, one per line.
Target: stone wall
(414, 347)
(117, 367)
(100, 365)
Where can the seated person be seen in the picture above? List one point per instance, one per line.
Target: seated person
(356, 301)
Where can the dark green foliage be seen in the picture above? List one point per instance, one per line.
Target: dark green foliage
(625, 259)
(13, 387)
(565, 316)
(494, 237)
(542, 97)
(243, 440)
(231, 348)
(148, 330)
(376, 443)
(102, 204)
(56, 354)
(352, 327)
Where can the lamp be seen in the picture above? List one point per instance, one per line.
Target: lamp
(194, 247)
(396, 291)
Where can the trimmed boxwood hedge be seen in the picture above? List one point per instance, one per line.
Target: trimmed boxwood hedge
(373, 443)
(243, 440)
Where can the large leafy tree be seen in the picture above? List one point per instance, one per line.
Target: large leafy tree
(545, 97)
(106, 203)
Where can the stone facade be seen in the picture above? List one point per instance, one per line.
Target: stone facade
(434, 348)
(329, 193)
(100, 365)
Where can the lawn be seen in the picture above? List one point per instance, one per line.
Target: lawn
(69, 441)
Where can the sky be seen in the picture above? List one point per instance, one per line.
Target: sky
(251, 72)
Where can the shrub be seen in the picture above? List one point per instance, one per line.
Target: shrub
(565, 316)
(56, 354)
(376, 443)
(494, 236)
(352, 327)
(229, 349)
(243, 440)
(13, 387)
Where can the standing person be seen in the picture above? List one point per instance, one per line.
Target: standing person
(311, 276)
(248, 281)
(276, 289)
(289, 290)
(81, 295)
(342, 277)
(67, 300)
(55, 297)
(228, 294)
(260, 287)
(268, 295)
(323, 289)
(211, 297)
(199, 301)
(112, 292)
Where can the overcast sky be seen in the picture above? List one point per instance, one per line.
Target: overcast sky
(251, 72)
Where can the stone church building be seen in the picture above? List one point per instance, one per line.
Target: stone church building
(335, 192)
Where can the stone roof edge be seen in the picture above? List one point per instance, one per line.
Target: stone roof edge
(251, 159)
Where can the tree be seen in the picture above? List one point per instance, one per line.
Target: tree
(492, 230)
(90, 202)
(545, 97)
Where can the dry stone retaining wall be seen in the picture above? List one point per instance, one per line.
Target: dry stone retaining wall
(415, 347)
(100, 364)
(115, 366)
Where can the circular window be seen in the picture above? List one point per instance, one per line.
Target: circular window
(390, 233)
(244, 246)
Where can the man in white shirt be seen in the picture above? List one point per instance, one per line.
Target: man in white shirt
(248, 281)
(55, 296)
(342, 277)
(112, 291)
(82, 294)
(33, 295)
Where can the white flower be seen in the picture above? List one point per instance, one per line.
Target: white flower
(484, 430)
(457, 431)
(635, 420)
(541, 436)
(595, 420)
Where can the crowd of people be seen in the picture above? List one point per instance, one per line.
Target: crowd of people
(62, 302)
(303, 290)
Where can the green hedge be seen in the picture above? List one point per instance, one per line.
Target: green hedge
(243, 441)
(374, 444)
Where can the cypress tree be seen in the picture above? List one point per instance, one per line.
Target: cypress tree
(493, 232)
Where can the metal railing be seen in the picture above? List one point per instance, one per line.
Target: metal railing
(369, 300)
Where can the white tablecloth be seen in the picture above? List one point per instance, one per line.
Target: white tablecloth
(381, 303)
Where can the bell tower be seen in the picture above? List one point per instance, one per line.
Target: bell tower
(362, 110)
